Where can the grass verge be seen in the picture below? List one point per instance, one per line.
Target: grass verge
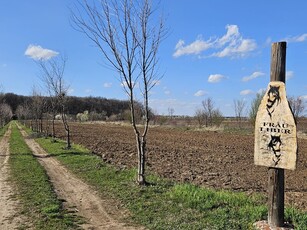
(165, 204)
(34, 190)
(4, 129)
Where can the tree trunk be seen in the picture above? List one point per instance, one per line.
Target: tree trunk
(66, 127)
(68, 137)
(53, 128)
(141, 146)
(47, 127)
(41, 125)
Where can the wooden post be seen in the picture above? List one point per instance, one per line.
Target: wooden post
(276, 176)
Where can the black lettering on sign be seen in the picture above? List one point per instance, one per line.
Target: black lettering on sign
(271, 127)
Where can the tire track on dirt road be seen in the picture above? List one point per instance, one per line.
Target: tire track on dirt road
(9, 218)
(98, 213)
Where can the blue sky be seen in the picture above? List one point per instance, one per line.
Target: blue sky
(218, 49)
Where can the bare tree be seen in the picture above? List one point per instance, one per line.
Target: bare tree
(297, 105)
(53, 77)
(217, 117)
(23, 112)
(200, 117)
(38, 107)
(128, 35)
(171, 112)
(5, 114)
(239, 107)
(254, 106)
(212, 115)
(208, 106)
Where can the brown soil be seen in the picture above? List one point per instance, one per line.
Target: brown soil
(213, 159)
(98, 213)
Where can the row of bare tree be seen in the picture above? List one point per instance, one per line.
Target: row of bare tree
(5, 114)
(209, 115)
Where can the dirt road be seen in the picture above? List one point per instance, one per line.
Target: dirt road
(9, 218)
(78, 196)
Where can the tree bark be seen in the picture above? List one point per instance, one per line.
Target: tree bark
(141, 143)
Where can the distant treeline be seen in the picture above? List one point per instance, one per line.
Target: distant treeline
(74, 105)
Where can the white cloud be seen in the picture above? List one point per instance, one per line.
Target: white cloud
(195, 47)
(167, 92)
(70, 91)
(134, 85)
(214, 78)
(253, 76)
(39, 53)
(299, 38)
(238, 48)
(162, 106)
(232, 44)
(268, 41)
(246, 92)
(200, 93)
(289, 75)
(261, 90)
(156, 82)
(231, 35)
(107, 85)
(303, 97)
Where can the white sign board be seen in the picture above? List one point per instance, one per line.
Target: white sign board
(275, 130)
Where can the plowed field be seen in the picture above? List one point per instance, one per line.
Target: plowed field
(213, 159)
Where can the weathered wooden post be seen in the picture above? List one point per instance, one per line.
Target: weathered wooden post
(275, 135)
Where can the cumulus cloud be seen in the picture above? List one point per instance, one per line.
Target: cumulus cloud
(232, 44)
(39, 53)
(156, 82)
(70, 91)
(289, 75)
(162, 106)
(167, 92)
(107, 85)
(200, 93)
(299, 38)
(134, 84)
(214, 78)
(246, 92)
(268, 41)
(195, 47)
(252, 76)
(238, 49)
(261, 90)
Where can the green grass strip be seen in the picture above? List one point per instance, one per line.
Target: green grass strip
(165, 204)
(4, 129)
(34, 190)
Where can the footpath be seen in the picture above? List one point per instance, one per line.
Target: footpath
(77, 196)
(9, 206)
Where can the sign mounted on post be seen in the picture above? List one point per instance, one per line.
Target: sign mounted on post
(275, 130)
